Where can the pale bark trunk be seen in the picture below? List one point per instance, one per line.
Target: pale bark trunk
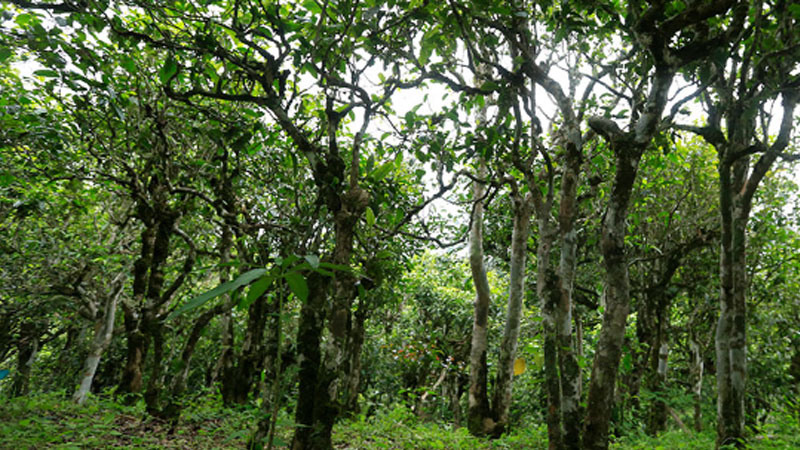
(508, 350)
(478, 420)
(696, 373)
(658, 409)
(104, 331)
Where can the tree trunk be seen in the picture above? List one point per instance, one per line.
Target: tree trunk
(569, 369)
(224, 362)
(353, 382)
(272, 372)
(453, 390)
(27, 351)
(238, 380)
(617, 295)
(696, 373)
(479, 421)
(178, 384)
(335, 365)
(309, 334)
(319, 403)
(730, 336)
(516, 290)
(657, 419)
(131, 382)
(104, 331)
(547, 291)
(153, 393)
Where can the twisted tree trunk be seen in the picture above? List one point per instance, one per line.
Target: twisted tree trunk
(479, 419)
(104, 331)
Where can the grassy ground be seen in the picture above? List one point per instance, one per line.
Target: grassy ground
(53, 422)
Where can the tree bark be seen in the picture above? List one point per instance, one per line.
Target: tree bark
(569, 369)
(479, 421)
(353, 381)
(239, 378)
(178, 384)
(104, 331)
(224, 362)
(335, 365)
(131, 381)
(27, 351)
(617, 295)
(309, 334)
(547, 291)
(731, 327)
(696, 374)
(628, 149)
(508, 350)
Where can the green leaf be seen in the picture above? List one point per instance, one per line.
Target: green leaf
(370, 216)
(224, 288)
(490, 86)
(168, 70)
(379, 173)
(46, 73)
(313, 261)
(257, 289)
(23, 19)
(4, 54)
(288, 261)
(128, 64)
(298, 285)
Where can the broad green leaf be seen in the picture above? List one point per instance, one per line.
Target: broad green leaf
(256, 290)
(379, 173)
(298, 285)
(370, 216)
(4, 54)
(224, 288)
(22, 19)
(313, 261)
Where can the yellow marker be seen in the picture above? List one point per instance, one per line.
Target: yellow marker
(519, 366)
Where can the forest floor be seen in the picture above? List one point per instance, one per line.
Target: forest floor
(51, 421)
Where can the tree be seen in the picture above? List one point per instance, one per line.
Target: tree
(738, 95)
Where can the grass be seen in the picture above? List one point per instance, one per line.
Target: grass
(51, 421)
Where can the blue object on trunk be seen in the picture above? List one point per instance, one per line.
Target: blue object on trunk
(3, 373)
